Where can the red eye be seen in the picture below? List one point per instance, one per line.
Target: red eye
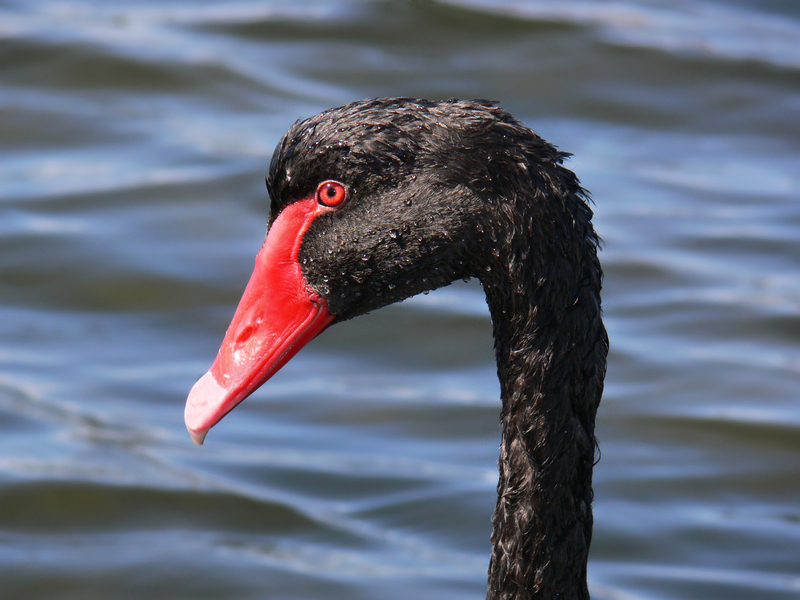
(331, 193)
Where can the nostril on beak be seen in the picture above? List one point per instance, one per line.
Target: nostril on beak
(245, 334)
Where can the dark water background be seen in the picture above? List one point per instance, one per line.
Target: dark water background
(134, 139)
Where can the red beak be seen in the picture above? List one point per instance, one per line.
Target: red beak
(277, 315)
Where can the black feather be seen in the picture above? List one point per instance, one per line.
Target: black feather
(440, 191)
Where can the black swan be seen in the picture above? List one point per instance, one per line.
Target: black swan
(379, 200)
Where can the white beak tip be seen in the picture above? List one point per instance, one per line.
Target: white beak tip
(198, 436)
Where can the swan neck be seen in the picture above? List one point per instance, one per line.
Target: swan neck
(551, 352)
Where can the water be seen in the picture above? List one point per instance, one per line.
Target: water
(134, 141)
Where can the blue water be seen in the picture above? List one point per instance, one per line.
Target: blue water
(134, 141)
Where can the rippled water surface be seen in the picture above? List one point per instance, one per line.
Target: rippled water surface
(134, 140)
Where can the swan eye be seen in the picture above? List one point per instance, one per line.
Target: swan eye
(331, 193)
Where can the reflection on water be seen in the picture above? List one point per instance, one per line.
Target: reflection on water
(134, 141)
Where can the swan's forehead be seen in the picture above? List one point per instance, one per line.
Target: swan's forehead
(374, 144)
(359, 157)
(300, 163)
